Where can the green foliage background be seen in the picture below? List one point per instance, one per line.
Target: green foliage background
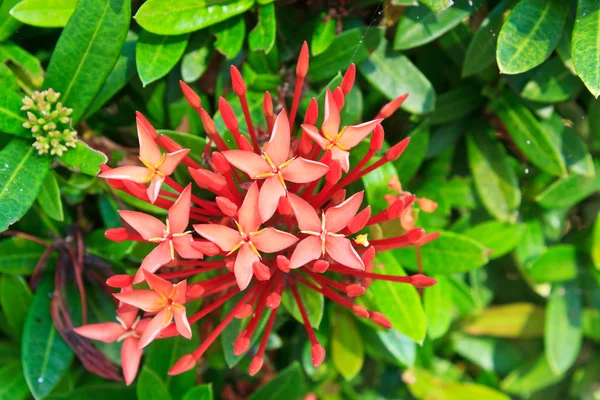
(505, 137)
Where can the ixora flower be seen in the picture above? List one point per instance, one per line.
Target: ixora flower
(272, 217)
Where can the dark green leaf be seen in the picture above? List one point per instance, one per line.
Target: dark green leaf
(551, 83)
(499, 237)
(15, 298)
(557, 264)
(25, 65)
(516, 320)
(200, 392)
(84, 159)
(44, 13)
(437, 5)
(410, 161)
(230, 36)
(585, 47)
(455, 104)
(591, 324)
(13, 385)
(156, 55)
(347, 351)
(174, 17)
(289, 384)
(11, 116)
(49, 198)
(345, 49)
(8, 25)
(595, 250)
(488, 353)
(22, 173)
(97, 392)
(313, 302)
(530, 377)
(323, 35)
(262, 37)
(197, 58)
(151, 387)
(530, 34)
(87, 51)
(438, 307)
(19, 256)
(568, 191)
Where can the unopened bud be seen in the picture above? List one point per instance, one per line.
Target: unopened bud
(239, 87)
(338, 95)
(422, 281)
(360, 220)
(377, 138)
(360, 311)
(220, 162)
(302, 66)
(391, 107)
(241, 346)
(227, 206)
(255, 365)
(116, 234)
(354, 290)
(192, 97)
(318, 353)
(120, 281)
(261, 271)
(348, 80)
(184, 364)
(381, 320)
(395, 151)
(273, 301)
(228, 115)
(244, 311)
(320, 266)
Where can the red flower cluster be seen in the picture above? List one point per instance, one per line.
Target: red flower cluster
(280, 214)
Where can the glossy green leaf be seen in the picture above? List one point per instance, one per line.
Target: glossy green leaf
(14, 386)
(87, 51)
(49, 198)
(101, 391)
(84, 159)
(200, 392)
(494, 177)
(481, 52)
(399, 302)
(420, 25)
(551, 83)
(313, 301)
(408, 164)
(262, 37)
(230, 36)
(156, 55)
(323, 35)
(557, 264)
(8, 25)
(530, 34)
(174, 17)
(402, 348)
(22, 173)
(289, 384)
(568, 191)
(345, 49)
(376, 184)
(595, 250)
(562, 328)
(15, 298)
(591, 324)
(45, 355)
(196, 58)
(516, 320)
(437, 5)
(530, 377)
(347, 350)
(11, 116)
(455, 104)
(26, 66)
(19, 256)
(499, 237)
(448, 254)
(150, 386)
(527, 133)
(44, 13)
(488, 353)
(393, 74)
(585, 45)
(438, 307)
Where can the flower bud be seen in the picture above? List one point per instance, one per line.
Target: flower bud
(220, 162)
(261, 271)
(255, 365)
(395, 151)
(312, 112)
(391, 107)
(239, 87)
(348, 80)
(228, 115)
(184, 364)
(302, 66)
(192, 97)
(360, 220)
(116, 234)
(227, 206)
(320, 266)
(318, 352)
(377, 139)
(422, 281)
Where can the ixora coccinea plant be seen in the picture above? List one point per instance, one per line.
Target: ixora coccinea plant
(280, 217)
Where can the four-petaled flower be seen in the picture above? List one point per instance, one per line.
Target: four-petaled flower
(157, 166)
(248, 239)
(164, 299)
(323, 236)
(171, 236)
(276, 167)
(339, 142)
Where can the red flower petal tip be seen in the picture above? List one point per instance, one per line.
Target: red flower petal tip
(360, 220)
(318, 354)
(261, 271)
(312, 112)
(255, 365)
(227, 206)
(320, 266)
(184, 364)
(422, 281)
(120, 281)
(192, 97)
(221, 163)
(368, 256)
(388, 109)
(283, 263)
(116, 234)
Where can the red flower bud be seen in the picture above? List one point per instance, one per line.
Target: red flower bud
(354, 290)
(317, 351)
(391, 107)
(227, 206)
(120, 281)
(228, 115)
(255, 365)
(360, 311)
(261, 271)
(273, 301)
(335, 173)
(116, 234)
(239, 87)
(221, 164)
(244, 312)
(142, 123)
(381, 320)
(205, 247)
(241, 346)
(338, 96)
(368, 256)
(312, 112)
(267, 105)
(194, 291)
(360, 220)
(338, 197)
(348, 80)
(302, 66)
(395, 151)
(320, 266)
(192, 97)
(244, 143)
(422, 281)
(283, 263)
(377, 139)
(415, 234)
(208, 179)
(184, 364)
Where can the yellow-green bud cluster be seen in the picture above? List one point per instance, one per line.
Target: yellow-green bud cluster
(50, 122)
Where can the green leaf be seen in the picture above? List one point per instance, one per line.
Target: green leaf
(49, 198)
(197, 58)
(323, 35)
(591, 324)
(22, 173)
(585, 45)
(393, 74)
(230, 36)
(313, 302)
(595, 251)
(346, 48)
(289, 384)
(156, 55)
(482, 48)
(11, 117)
(103, 391)
(527, 133)
(8, 25)
(530, 33)
(200, 392)
(530, 377)
(19, 256)
(347, 350)
(419, 25)
(408, 164)
(448, 254)
(151, 387)
(45, 355)
(401, 348)
(25, 65)
(44, 13)
(15, 298)
(13, 385)
(551, 83)
(557, 264)
(398, 301)
(516, 320)
(438, 307)
(488, 353)
(494, 177)
(174, 17)
(84, 159)
(499, 237)
(87, 51)
(455, 104)
(562, 328)
(376, 184)
(262, 37)
(437, 5)
(568, 191)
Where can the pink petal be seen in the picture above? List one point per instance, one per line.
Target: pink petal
(142, 325)
(307, 250)
(342, 251)
(342, 157)
(248, 215)
(183, 247)
(179, 213)
(224, 237)
(127, 313)
(172, 160)
(270, 192)
(131, 355)
(154, 188)
(129, 172)
(107, 332)
(249, 162)
(146, 225)
(354, 134)
(307, 217)
(179, 293)
(181, 322)
(331, 119)
(154, 260)
(272, 240)
(147, 300)
(313, 132)
(243, 266)
(157, 283)
(303, 171)
(338, 217)
(149, 151)
(160, 320)
(278, 147)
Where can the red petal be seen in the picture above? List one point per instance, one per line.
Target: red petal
(248, 213)
(146, 225)
(224, 237)
(130, 172)
(278, 147)
(360, 220)
(303, 171)
(184, 247)
(172, 160)
(154, 188)
(154, 260)
(179, 213)
(261, 271)
(268, 200)
(353, 135)
(149, 151)
(184, 364)
(131, 355)
(147, 300)
(331, 121)
(272, 240)
(181, 322)
(348, 80)
(107, 332)
(342, 157)
(180, 292)
(307, 217)
(243, 266)
(338, 217)
(249, 162)
(313, 132)
(342, 251)
(302, 66)
(161, 320)
(157, 283)
(307, 250)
